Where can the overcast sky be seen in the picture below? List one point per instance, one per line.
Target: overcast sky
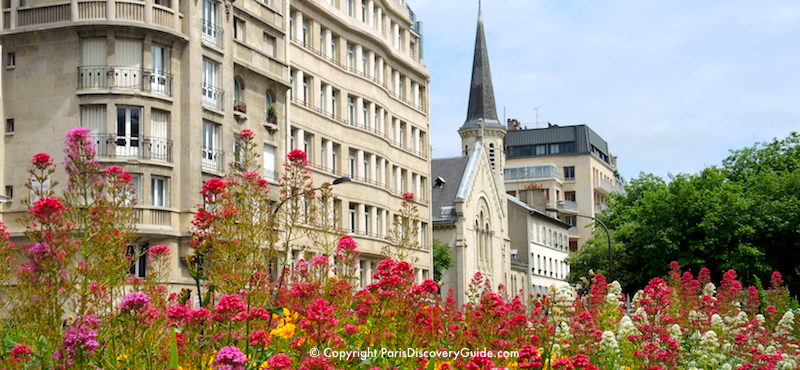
(671, 85)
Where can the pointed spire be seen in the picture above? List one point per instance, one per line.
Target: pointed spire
(481, 93)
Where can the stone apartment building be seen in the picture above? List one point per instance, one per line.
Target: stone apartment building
(568, 168)
(165, 86)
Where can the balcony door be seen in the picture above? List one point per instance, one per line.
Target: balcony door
(93, 64)
(159, 144)
(209, 83)
(158, 80)
(128, 68)
(210, 21)
(128, 131)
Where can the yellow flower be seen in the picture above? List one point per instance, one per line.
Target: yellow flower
(284, 331)
(264, 365)
(441, 365)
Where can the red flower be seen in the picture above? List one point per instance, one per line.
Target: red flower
(259, 338)
(297, 155)
(408, 197)
(42, 160)
(228, 306)
(202, 219)
(280, 361)
(346, 243)
(247, 134)
(118, 175)
(213, 187)
(20, 350)
(160, 250)
(47, 209)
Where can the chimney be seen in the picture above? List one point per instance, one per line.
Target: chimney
(513, 124)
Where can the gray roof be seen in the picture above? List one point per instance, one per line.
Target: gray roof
(535, 212)
(481, 93)
(452, 171)
(583, 136)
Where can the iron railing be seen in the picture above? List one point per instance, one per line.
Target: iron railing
(140, 147)
(124, 78)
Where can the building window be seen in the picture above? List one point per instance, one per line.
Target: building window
(211, 30)
(159, 194)
(159, 79)
(492, 155)
(137, 254)
(212, 95)
(351, 7)
(351, 57)
(353, 219)
(304, 35)
(238, 29)
(269, 162)
(212, 157)
(160, 146)
(351, 109)
(334, 94)
(10, 126)
(269, 44)
(569, 195)
(569, 173)
(352, 164)
(11, 59)
(128, 131)
(335, 158)
(137, 188)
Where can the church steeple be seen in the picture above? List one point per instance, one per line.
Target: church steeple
(481, 93)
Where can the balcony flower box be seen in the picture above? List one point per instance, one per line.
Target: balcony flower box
(240, 107)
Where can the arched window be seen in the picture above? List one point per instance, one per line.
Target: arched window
(269, 100)
(238, 95)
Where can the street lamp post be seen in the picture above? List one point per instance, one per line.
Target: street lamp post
(608, 239)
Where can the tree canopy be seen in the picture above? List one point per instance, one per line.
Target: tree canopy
(742, 215)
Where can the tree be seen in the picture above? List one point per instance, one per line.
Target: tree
(442, 259)
(742, 215)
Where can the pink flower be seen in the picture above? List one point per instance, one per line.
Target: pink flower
(408, 197)
(297, 155)
(427, 286)
(230, 358)
(229, 305)
(47, 209)
(247, 134)
(202, 219)
(213, 186)
(259, 338)
(160, 250)
(20, 350)
(79, 338)
(118, 175)
(134, 302)
(178, 312)
(347, 243)
(78, 133)
(280, 361)
(42, 160)
(319, 261)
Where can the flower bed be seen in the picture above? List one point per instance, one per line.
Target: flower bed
(73, 306)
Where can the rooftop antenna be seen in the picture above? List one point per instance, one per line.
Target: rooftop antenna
(536, 109)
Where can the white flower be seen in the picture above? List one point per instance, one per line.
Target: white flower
(710, 290)
(786, 323)
(626, 328)
(674, 332)
(609, 344)
(709, 340)
(717, 323)
(562, 332)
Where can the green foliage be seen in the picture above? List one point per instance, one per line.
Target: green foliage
(743, 215)
(442, 259)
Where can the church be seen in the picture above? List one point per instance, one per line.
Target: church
(469, 208)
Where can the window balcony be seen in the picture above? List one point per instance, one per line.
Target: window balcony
(124, 79)
(606, 187)
(212, 33)
(55, 14)
(567, 207)
(545, 171)
(152, 216)
(213, 159)
(111, 146)
(213, 96)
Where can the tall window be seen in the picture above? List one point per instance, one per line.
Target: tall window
(211, 94)
(269, 162)
(160, 147)
(137, 188)
(351, 7)
(569, 173)
(352, 164)
(158, 79)
(351, 57)
(128, 69)
(269, 44)
(212, 157)
(211, 30)
(128, 131)
(334, 93)
(353, 219)
(335, 158)
(304, 35)
(238, 29)
(137, 253)
(93, 117)
(238, 95)
(351, 109)
(158, 191)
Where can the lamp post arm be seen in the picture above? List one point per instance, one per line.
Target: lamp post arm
(608, 238)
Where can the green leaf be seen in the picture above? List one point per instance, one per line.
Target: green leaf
(173, 350)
